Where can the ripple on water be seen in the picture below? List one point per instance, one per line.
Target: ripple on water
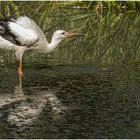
(57, 103)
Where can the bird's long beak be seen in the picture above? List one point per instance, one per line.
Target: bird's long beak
(71, 34)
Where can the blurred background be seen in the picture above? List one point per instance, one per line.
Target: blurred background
(111, 29)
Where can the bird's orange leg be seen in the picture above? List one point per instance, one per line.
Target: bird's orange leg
(20, 73)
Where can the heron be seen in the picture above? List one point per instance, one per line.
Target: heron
(22, 34)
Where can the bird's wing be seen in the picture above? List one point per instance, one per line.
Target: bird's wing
(24, 34)
(8, 45)
(21, 30)
(6, 40)
(2, 29)
(28, 23)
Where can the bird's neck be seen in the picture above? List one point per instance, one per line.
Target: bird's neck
(54, 43)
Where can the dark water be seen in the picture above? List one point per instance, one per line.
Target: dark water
(70, 101)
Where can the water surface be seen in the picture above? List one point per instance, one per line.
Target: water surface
(70, 101)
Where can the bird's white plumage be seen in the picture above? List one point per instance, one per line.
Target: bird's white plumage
(24, 35)
(5, 44)
(2, 29)
(28, 23)
(25, 22)
(19, 50)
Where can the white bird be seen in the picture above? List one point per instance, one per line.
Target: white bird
(23, 34)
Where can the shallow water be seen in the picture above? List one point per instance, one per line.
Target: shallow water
(70, 101)
(65, 94)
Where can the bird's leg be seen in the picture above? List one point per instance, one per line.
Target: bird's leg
(20, 73)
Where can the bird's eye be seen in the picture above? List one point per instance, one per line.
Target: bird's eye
(63, 33)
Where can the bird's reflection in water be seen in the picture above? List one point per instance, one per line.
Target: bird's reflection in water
(23, 109)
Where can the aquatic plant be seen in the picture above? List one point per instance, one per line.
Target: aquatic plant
(111, 29)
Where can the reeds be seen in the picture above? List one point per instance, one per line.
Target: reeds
(111, 29)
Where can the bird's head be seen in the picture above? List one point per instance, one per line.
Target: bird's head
(61, 34)
(58, 36)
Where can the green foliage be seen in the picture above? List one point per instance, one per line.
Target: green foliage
(111, 28)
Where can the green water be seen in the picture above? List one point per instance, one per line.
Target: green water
(89, 87)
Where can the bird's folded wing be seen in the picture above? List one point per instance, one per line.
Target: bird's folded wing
(25, 36)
